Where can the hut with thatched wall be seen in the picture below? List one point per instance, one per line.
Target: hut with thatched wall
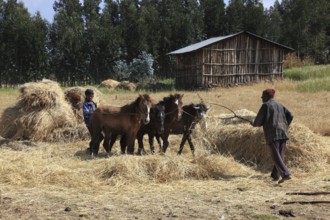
(229, 60)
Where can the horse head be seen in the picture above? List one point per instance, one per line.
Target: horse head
(177, 100)
(201, 110)
(144, 105)
(158, 116)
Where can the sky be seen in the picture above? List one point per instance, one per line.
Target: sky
(45, 7)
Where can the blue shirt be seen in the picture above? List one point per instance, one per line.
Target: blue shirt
(88, 109)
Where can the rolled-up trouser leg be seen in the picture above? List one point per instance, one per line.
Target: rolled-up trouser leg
(278, 153)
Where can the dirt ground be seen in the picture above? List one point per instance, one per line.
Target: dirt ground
(53, 194)
(228, 197)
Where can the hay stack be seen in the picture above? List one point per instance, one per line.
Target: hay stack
(126, 85)
(41, 114)
(306, 151)
(109, 83)
(76, 97)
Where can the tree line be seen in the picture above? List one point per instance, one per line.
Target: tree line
(92, 40)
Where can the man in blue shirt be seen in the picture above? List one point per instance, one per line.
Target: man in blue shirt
(88, 107)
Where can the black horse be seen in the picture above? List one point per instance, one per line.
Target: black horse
(192, 114)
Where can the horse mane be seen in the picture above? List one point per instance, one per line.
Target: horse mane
(135, 104)
(169, 98)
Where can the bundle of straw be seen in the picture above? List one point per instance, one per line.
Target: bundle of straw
(40, 111)
(109, 83)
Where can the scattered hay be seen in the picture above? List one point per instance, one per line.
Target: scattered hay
(126, 85)
(160, 169)
(305, 150)
(15, 145)
(109, 83)
(41, 114)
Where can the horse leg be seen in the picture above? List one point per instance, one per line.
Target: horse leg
(123, 144)
(151, 143)
(140, 142)
(165, 142)
(183, 141)
(192, 147)
(130, 138)
(95, 142)
(159, 142)
(106, 142)
(112, 141)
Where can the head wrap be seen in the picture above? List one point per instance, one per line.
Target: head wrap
(89, 92)
(270, 93)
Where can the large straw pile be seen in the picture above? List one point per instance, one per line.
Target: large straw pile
(41, 114)
(305, 150)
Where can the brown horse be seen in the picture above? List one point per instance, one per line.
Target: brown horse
(173, 113)
(119, 120)
(156, 126)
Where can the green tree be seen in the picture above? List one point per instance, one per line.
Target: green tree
(306, 28)
(91, 36)
(273, 22)
(21, 37)
(131, 32)
(67, 42)
(214, 17)
(110, 40)
(39, 61)
(254, 17)
(234, 15)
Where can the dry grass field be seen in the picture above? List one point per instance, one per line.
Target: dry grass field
(227, 179)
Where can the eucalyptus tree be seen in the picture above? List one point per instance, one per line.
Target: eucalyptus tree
(306, 26)
(254, 19)
(66, 36)
(273, 22)
(234, 16)
(91, 37)
(39, 65)
(110, 40)
(214, 17)
(2, 43)
(22, 48)
(181, 24)
(131, 29)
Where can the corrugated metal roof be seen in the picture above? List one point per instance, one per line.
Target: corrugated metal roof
(213, 40)
(199, 45)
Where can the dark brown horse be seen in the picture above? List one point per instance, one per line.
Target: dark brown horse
(173, 113)
(119, 120)
(192, 115)
(156, 126)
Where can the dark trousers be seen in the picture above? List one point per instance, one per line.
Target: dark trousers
(278, 153)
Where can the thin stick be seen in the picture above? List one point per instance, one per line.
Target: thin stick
(235, 116)
(306, 202)
(308, 193)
